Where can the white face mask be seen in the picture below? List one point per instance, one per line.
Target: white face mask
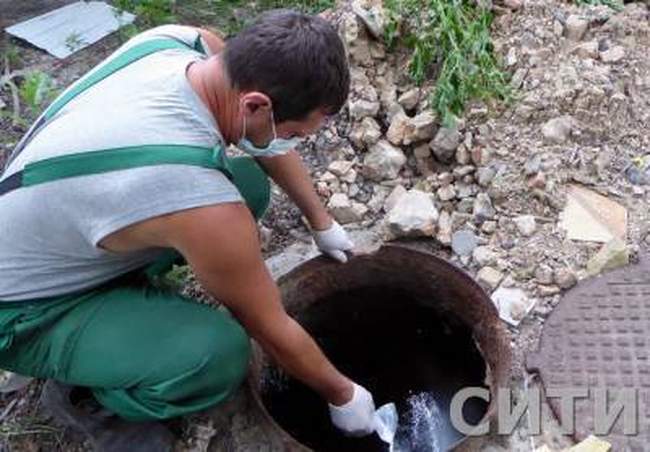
(277, 146)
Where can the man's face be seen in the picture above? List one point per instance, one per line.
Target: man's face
(259, 117)
(301, 129)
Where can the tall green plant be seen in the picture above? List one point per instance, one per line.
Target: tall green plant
(454, 36)
(36, 91)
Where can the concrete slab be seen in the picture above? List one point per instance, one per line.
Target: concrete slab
(589, 216)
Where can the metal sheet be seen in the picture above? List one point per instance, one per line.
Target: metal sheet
(599, 337)
(71, 28)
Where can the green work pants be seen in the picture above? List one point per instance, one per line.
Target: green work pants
(146, 353)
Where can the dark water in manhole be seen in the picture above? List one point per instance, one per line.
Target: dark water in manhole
(401, 350)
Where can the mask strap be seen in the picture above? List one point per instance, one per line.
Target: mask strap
(275, 135)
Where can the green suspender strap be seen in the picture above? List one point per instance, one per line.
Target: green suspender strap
(245, 173)
(248, 176)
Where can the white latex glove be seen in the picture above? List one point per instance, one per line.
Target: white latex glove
(333, 241)
(357, 417)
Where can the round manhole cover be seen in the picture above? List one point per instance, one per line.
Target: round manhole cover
(598, 340)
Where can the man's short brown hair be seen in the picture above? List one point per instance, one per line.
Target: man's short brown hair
(296, 59)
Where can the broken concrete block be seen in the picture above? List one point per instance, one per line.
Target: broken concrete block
(613, 254)
(591, 444)
(491, 277)
(344, 210)
(513, 304)
(362, 108)
(409, 100)
(393, 197)
(384, 161)
(592, 217)
(340, 167)
(414, 215)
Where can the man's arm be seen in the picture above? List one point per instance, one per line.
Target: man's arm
(290, 173)
(221, 245)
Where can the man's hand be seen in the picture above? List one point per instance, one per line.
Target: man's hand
(357, 416)
(334, 242)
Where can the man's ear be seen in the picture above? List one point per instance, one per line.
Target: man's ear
(255, 102)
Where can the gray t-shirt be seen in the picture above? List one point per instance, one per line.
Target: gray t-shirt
(49, 233)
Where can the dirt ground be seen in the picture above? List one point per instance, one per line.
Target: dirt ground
(604, 93)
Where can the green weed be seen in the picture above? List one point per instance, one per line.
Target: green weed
(151, 13)
(10, 55)
(452, 37)
(230, 16)
(36, 91)
(74, 41)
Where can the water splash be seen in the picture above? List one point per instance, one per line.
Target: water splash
(422, 426)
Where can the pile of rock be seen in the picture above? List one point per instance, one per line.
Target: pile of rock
(490, 187)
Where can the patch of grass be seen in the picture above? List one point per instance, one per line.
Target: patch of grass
(151, 13)
(230, 16)
(616, 5)
(10, 55)
(452, 36)
(36, 91)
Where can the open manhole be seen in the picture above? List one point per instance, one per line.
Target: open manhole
(407, 325)
(598, 340)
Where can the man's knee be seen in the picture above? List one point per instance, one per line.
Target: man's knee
(224, 353)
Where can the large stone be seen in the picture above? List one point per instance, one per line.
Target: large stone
(340, 167)
(376, 202)
(414, 215)
(365, 133)
(558, 130)
(384, 161)
(341, 207)
(372, 15)
(446, 193)
(463, 242)
(483, 209)
(612, 255)
(423, 128)
(513, 304)
(526, 224)
(576, 27)
(485, 175)
(445, 143)
(398, 129)
(490, 277)
(484, 255)
(409, 100)
(344, 210)
(394, 196)
(362, 108)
